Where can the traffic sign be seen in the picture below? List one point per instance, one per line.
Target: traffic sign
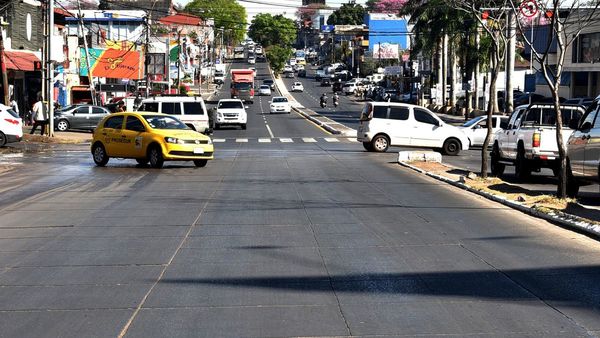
(528, 8)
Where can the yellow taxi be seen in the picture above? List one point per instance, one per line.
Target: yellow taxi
(149, 137)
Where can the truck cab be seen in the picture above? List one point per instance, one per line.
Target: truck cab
(242, 84)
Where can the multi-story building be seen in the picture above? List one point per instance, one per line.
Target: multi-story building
(23, 38)
(582, 64)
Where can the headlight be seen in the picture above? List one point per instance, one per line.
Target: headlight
(209, 141)
(173, 140)
(219, 114)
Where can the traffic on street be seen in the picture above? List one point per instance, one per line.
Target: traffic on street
(214, 169)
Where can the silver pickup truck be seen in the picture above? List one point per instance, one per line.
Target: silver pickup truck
(529, 142)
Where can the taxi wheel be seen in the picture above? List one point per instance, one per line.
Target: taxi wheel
(200, 163)
(99, 155)
(155, 157)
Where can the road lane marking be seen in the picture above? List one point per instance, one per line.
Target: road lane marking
(269, 129)
(264, 140)
(219, 140)
(331, 139)
(286, 140)
(241, 140)
(308, 140)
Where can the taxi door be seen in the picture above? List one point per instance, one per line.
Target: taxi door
(110, 134)
(133, 137)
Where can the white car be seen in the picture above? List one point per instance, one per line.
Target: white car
(297, 87)
(288, 69)
(264, 90)
(280, 104)
(298, 67)
(383, 124)
(251, 60)
(349, 88)
(11, 126)
(191, 110)
(476, 128)
(231, 112)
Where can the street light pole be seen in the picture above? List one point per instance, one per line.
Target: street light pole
(3, 62)
(50, 68)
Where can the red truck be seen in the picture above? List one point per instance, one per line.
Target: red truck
(242, 84)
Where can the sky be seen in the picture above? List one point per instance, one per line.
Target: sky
(285, 7)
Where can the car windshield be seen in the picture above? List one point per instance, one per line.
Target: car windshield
(280, 99)
(164, 122)
(472, 122)
(268, 82)
(265, 87)
(230, 104)
(242, 86)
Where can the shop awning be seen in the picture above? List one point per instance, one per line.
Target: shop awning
(17, 60)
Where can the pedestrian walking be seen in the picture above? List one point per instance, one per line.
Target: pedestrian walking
(13, 105)
(40, 116)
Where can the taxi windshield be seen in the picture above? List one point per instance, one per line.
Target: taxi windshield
(164, 122)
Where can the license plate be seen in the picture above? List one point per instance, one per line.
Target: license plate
(198, 151)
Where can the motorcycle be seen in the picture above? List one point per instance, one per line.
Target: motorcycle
(323, 104)
(336, 103)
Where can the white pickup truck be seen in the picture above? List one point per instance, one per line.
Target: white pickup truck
(529, 141)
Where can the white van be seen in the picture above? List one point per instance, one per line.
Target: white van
(400, 124)
(191, 110)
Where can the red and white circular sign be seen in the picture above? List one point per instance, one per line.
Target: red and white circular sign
(528, 8)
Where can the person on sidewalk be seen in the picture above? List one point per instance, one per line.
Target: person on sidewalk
(40, 116)
(14, 106)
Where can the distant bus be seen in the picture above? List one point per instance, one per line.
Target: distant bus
(238, 53)
(301, 57)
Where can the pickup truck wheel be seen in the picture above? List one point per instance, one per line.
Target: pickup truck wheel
(243, 126)
(497, 167)
(522, 169)
(451, 147)
(368, 146)
(380, 143)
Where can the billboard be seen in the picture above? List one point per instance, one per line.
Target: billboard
(386, 50)
(112, 63)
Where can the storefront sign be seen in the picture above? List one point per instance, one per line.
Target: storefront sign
(385, 51)
(112, 63)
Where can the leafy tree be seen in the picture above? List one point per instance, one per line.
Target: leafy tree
(226, 13)
(370, 5)
(268, 30)
(347, 14)
(277, 57)
(388, 6)
(305, 13)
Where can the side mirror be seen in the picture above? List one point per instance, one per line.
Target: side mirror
(584, 126)
(574, 123)
(477, 126)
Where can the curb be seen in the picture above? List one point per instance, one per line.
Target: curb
(564, 220)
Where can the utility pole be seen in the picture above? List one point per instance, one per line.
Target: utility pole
(147, 56)
(87, 54)
(50, 68)
(510, 64)
(178, 63)
(3, 62)
(168, 63)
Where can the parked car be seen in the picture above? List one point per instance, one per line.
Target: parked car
(149, 137)
(280, 104)
(476, 128)
(349, 88)
(529, 141)
(231, 112)
(297, 87)
(79, 117)
(325, 82)
(11, 126)
(583, 150)
(270, 83)
(584, 101)
(384, 124)
(264, 90)
(288, 68)
(191, 110)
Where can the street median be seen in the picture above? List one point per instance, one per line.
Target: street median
(563, 212)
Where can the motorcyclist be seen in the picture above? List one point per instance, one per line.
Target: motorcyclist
(336, 99)
(323, 100)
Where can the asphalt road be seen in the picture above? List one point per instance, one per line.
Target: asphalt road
(299, 234)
